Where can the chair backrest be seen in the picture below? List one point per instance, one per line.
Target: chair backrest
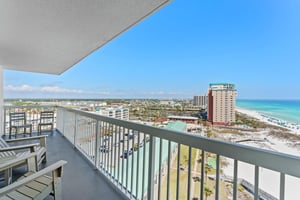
(47, 117)
(37, 185)
(17, 118)
(3, 144)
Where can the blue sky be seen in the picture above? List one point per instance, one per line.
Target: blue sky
(179, 50)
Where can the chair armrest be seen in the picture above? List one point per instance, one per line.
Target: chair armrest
(21, 125)
(41, 138)
(16, 161)
(26, 139)
(56, 166)
(32, 147)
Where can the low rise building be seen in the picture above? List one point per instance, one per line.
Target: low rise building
(119, 113)
(186, 119)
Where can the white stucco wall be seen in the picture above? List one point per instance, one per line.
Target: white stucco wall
(1, 101)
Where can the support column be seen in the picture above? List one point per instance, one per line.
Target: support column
(1, 102)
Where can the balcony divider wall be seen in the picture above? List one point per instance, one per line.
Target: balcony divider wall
(1, 102)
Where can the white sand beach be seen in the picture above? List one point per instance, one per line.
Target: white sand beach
(295, 128)
(269, 180)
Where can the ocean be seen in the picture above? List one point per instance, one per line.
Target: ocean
(288, 110)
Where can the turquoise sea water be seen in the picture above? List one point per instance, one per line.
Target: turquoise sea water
(288, 110)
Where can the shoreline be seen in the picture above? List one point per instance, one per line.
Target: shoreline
(293, 127)
(269, 180)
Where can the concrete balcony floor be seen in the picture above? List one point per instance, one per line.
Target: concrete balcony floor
(80, 180)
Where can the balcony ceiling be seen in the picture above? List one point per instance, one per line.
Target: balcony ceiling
(50, 36)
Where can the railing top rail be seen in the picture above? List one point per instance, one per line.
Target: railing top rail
(281, 162)
(37, 106)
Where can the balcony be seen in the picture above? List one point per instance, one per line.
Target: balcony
(144, 162)
(80, 179)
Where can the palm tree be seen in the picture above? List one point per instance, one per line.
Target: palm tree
(207, 192)
(209, 133)
(207, 169)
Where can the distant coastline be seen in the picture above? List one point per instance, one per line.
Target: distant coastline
(281, 113)
(284, 113)
(293, 127)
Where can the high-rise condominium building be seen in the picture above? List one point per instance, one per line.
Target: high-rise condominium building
(200, 101)
(221, 103)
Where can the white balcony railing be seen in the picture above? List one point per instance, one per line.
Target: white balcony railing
(146, 162)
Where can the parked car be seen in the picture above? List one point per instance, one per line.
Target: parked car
(135, 146)
(104, 149)
(141, 144)
(147, 138)
(126, 153)
(130, 137)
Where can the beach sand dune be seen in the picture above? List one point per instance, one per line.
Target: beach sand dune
(269, 181)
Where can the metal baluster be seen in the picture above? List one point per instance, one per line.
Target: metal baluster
(151, 168)
(115, 150)
(132, 162)
(97, 145)
(110, 154)
(105, 156)
(282, 186)
(75, 130)
(178, 172)
(256, 186)
(202, 175)
(127, 160)
(101, 143)
(217, 177)
(4, 121)
(144, 163)
(138, 167)
(235, 179)
(159, 170)
(169, 169)
(189, 173)
(122, 150)
(119, 149)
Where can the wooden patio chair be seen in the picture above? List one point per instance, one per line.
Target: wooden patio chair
(46, 119)
(7, 165)
(17, 122)
(36, 185)
(8, 152)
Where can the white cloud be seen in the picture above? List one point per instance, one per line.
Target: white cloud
(45, 89)
(27, 91)
(56, 89)
(21, 88)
